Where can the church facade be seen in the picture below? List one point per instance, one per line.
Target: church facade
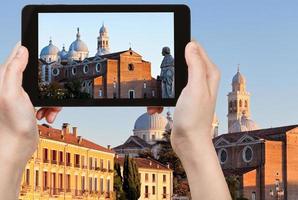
(121, 74)
(263, 160)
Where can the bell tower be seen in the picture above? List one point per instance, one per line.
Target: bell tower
(238, 100)
(103, 41)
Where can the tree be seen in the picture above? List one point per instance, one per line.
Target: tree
(233, 183)
(119, 193)
(131, 179)
(166, 155)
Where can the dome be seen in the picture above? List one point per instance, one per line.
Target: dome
(238, 78)
(103, 29)
(78, 44)
(63, 54)
(49, 50)
(155, 121)
(244, 124)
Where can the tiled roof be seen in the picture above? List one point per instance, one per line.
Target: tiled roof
(134, 142)
(48, 132)
(269, 134)
(146, 163)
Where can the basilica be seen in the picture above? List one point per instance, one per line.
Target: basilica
(122, 74)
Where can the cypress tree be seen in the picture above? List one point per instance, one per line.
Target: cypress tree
(119, 193)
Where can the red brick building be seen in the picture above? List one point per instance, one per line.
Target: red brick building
(265, 160)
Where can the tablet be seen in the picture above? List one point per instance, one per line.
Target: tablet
(105, 55)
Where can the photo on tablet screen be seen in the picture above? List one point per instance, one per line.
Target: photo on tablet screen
(106, 55)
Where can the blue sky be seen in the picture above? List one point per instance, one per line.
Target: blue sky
(146, 33)
(261, 36)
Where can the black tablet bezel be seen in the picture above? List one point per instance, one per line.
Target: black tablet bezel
(30, 40)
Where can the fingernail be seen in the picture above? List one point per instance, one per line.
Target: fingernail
(20, 52)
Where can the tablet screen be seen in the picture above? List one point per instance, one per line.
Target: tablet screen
(106, 55)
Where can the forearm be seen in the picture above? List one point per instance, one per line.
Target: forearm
(203, 170)
(11, 177)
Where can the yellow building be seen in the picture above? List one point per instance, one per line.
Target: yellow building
(67, 166)
(156, 179)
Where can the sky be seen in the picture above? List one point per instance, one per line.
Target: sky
(261, 36)
(145, 33)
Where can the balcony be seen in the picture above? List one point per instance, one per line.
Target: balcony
(61, 163)
(54, 162)
(46, 161)
(77, 165)
(68, 164)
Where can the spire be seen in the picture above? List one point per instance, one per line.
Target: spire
(50, 41)
(63, 47)
(78, 33)
(238, 68)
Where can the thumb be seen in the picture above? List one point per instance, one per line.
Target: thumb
(196, 66)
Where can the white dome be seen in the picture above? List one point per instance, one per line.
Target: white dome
(49, 50)
(78, 44)
(63, 54)
(244, 124)
(155, 121)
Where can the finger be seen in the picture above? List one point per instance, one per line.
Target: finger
(40, 113)
(51, 116)
(196, 66)
(213, 73)
(14, 70)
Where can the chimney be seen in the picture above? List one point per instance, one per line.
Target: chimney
(80, 139)
(109, 146)
(65, 128)
(75, 131)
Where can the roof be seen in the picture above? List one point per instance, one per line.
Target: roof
(133, 141)
(146, 163)
(268, 134)
(48, 132)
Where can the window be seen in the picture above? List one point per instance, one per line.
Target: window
(101, 163)
(101, 185)
(55, 72)
(223, 156)
(246, 104)
(153, 190)
(61, 157)
(95, 163)
(60, 181)
(164, 192)
(247, 154)
(164, 178)
(108, 185)
(153, 93)
(153, 137)
(100, 92)
(131, 94)
(36, 179)
(153, 177)
(74, 71)
(77, 160)
(54, 156)
(83, 162)
(86, 69)
(130, 67)
(68, 159)
(83, 183)
(53, 181)
(45, 180)
(98, 67)
(145, 85)
(68, 182)
(146, 177)
(95, 184)
(146, 191)
(109, 165)
(45, 155)
(90, 163)
(90, 183)
(27, 177)
(240, 103)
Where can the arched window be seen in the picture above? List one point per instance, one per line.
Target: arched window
(235, 106)
(86, 69)
(240, 103)
(74, 71)
(246, 104)
(230, 106)
(222, 155)
(98, 67)
(247, 154)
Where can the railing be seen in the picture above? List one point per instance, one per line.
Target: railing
(77, 165)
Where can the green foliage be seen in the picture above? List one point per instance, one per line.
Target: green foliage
(119, 193)
(131, 179)
(234, 186)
